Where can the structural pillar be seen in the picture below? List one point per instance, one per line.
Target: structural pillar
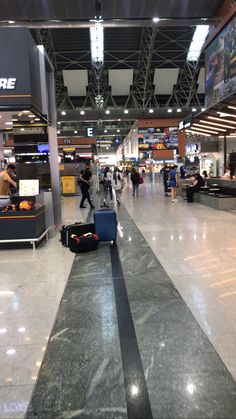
(1, 151)
(225, 152)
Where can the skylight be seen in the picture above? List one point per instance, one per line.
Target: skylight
(198, 40)
(97, 43)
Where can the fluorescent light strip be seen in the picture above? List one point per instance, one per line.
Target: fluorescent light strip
(208, 127)
(97, 43)
(207, 130)
(221, 119)
(198, 40)
(198, 133)
(215, 124)
(226, 114)
(232, 107)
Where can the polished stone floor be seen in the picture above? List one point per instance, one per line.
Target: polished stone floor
(178, 266)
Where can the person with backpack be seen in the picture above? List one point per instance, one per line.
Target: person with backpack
(85, 179)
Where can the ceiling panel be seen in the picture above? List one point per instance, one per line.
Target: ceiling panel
(120, 81)
(164, 80)
(46, 9)
(161, 8)
(76, 82)
(201, 81)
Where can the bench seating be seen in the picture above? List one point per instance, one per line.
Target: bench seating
(218, 201)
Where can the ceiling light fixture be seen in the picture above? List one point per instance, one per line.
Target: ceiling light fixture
(8, 123)
(232, 107)
(22, 129)
(11, 22)
(209, 127)
(222, 114)
(151, 111)
(97, 42)
(169, 110)
(179, 110)
(82, 112)
(194, 110)
(75, 132)
(25, 111)
(37, 119)
(156, 19)
(203, 109)
(63, 113)
(107, 111)
(221, 119)
(198, 40)
(118, 130)
(58, 132)
(215, 124)
(31, 116)
(105, 130)
(212, 131)
(197, 132)
(126, 111)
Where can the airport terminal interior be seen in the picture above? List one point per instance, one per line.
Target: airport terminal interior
(118, 209)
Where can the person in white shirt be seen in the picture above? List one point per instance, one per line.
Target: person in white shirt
(117, 184)
(107, 184)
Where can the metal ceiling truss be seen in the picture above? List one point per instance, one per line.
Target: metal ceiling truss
(142, 91)
(44, 37)
(184, 93)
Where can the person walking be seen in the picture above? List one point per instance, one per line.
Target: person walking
(85, 179)
(135, 181)
(165, 176)
(117, 184)
(173, 183)
(107, 185)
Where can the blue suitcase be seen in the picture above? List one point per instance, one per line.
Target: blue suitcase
(105, 224)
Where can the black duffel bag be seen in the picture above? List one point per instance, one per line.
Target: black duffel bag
(85, 243)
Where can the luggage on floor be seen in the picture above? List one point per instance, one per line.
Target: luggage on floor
(105, 224)
(77, 228)
(82, 244)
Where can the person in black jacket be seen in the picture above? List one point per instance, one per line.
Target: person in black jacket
(135, 181)
(199, 182)
(85, 179)
(165, 175)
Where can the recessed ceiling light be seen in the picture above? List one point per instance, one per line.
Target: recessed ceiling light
(194, 109)
(26, 111)
(169, 110)
(37, 119)
(63, 113)
(11, 21)
(22, 129)
(118, 130)
(179, 110)
(203, 109)
(156, 19)
(58, 132)
(11, 351)
(82, 112)
(151, 110)
(14, 119)
(119, 119)
(3, 330)
(105, 130)
(126, 111)
(31, 116)
(107, 111)
(75, 132)
(21, 329)
(9, 123)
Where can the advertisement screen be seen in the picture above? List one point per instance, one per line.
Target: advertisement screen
(43, 148)
(158, 138)
(220, 64)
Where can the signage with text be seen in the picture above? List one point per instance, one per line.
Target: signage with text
(89, 132)
(7, 84)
